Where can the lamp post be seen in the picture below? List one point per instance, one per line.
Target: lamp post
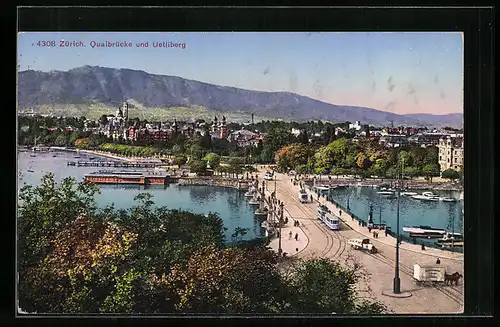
(397, 281)
(280, 220)
(274, 175)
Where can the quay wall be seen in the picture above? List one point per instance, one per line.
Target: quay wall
(414, 185)
(211, 181)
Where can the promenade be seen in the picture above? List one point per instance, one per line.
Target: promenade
(315, 240)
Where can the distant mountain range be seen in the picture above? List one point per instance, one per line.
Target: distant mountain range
(111, 87)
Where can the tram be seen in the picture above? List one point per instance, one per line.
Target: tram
(327, 217)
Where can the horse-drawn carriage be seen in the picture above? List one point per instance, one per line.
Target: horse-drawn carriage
(434, 275)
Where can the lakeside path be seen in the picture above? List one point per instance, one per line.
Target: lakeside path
(319, 241)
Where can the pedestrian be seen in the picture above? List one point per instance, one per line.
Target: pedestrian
(290, 234)
(311, 198)
(296, 249)
(386, 232)
(340, 212)
(369, 229)
(296, 236)
(376, 235)
(438, 261)
(286, 220)
(423, 247)
(373, 234)
(359, 222)
(318, 196)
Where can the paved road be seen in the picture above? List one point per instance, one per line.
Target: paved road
(316, 240)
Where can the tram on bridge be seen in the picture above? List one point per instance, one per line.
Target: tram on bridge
(328, 217)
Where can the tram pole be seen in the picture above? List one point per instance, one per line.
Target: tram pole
(397, 280)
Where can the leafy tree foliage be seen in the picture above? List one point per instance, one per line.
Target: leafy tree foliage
(450, 174)
(75, 258)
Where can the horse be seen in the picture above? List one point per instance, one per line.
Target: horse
(452, 278)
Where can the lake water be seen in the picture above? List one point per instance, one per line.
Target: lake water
(229, 203)
(446, 215)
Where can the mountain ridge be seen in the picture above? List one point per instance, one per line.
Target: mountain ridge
(112, 86)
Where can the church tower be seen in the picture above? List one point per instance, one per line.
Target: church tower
(223, 128)
(125, 109)
(215, 124)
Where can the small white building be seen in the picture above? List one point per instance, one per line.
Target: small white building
(296, 131)
(356, 125)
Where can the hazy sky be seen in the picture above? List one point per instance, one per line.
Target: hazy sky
(396, 72)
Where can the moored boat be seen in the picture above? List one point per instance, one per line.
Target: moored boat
(451, 237)
(409, 193)
(323, 187)
(447, 199)
(251, 192)
(253, 201)
(385, 192)
(426, 196)
(450, 244)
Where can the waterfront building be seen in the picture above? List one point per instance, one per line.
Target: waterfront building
(451, 152)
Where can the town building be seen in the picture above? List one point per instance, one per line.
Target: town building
(218, 128)
(426, 139)
(451, 152)
(357, 126)
(393, 141)
(296, 131)
(245, 138)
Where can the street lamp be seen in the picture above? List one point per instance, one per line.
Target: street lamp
(275, 177)
(280, 220)
(397, 281)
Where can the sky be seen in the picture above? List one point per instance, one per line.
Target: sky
(399, 72)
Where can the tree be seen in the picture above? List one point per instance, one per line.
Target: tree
(411, 172)
(324, 286)
(430, 170)
(224, 281)
(338, 171)
(450, 174)
(103, 120)
(44, 212)
(303, 138)
(198, 166)
(83, 143)
(361, 160)
(180, 160)
(206, 141)
(60, 140)
(213, 159)
(293, 155)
